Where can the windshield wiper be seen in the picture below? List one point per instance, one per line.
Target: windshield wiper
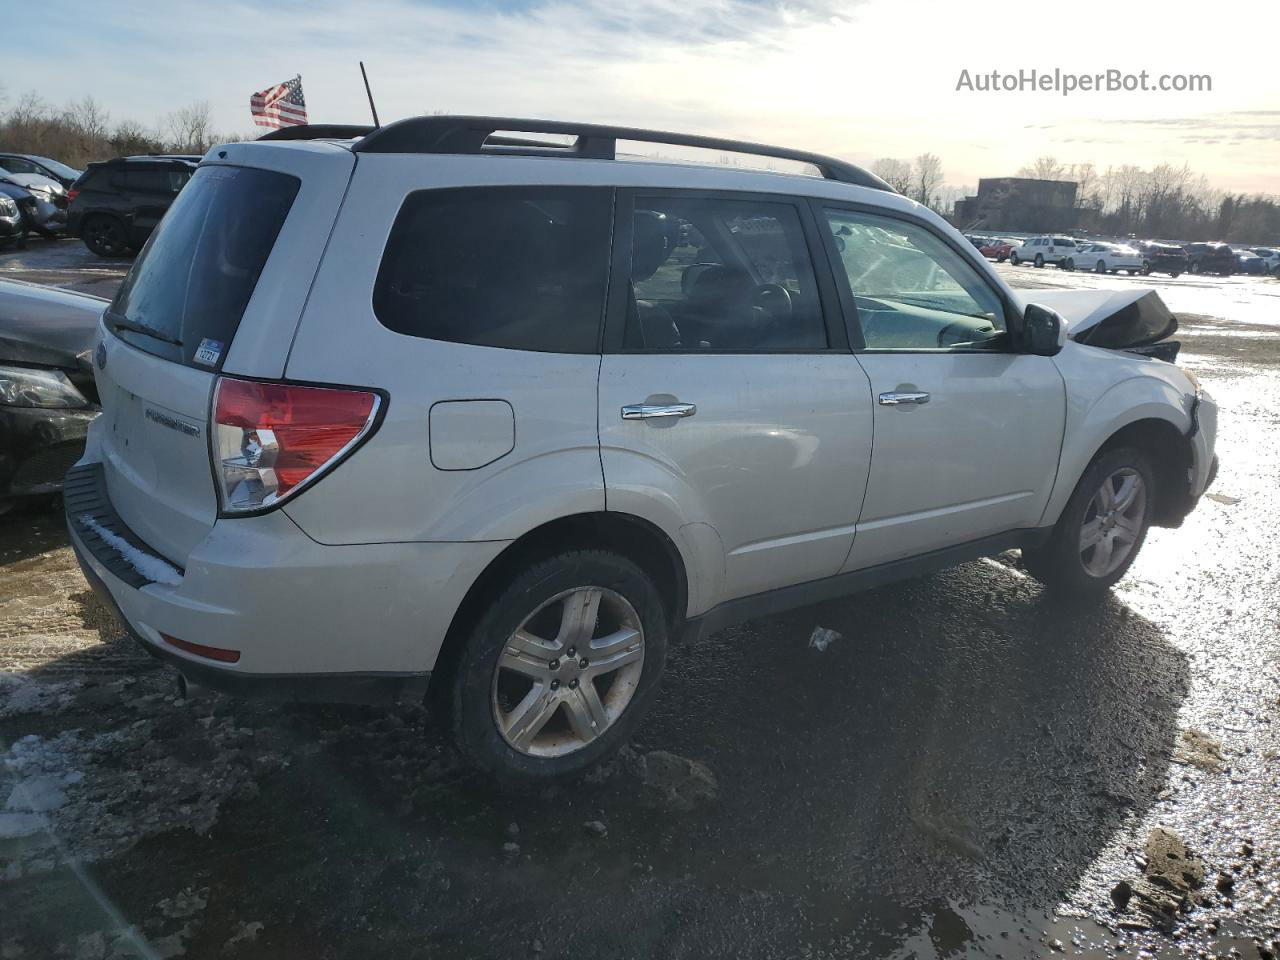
(146, 331)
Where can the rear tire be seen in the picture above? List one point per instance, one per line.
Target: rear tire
(500, 681)
(1039, 261)
(105, 236)
(1118, 531)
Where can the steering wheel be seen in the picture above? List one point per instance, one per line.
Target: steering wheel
(774, 299)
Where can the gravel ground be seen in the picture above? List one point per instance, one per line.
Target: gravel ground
(964, 768)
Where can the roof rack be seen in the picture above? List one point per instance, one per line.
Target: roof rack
(476, 135)
(320, 131)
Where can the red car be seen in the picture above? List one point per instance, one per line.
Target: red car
(997, 250)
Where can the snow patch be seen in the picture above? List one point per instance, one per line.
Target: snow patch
(822, 637)
(153, 568)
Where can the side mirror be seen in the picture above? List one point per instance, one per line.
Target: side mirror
(1044, 333)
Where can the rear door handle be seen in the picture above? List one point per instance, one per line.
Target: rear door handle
(648, 411)
(898, 399)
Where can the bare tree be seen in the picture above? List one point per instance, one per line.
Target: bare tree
(926, 177)
(190, 129)
(1044, 168)
(896, 173)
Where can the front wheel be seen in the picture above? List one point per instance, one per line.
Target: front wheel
(1015, 259)
(1102, 527)
(557, 671)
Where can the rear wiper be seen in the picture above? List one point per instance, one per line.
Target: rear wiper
(146, 331)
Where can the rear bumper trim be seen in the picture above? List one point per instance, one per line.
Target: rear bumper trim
(84, 494)
(367, 688)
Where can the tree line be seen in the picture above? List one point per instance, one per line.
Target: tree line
(82, 131)
(1167, 201)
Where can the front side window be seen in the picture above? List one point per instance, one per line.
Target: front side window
(911, 290)
(523, 268)
(721, 274)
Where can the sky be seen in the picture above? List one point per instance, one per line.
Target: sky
(860, 79)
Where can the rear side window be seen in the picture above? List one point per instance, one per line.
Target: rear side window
(524, 268)
(190, 285)
(150, 181)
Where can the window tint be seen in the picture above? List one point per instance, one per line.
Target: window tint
(721, 274)
(18, 165)
(911, 290)
(150, 181)
(193, 279)
(523, 268)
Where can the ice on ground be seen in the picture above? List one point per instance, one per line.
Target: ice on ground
(15, 825)
(20, 696)
(153, 568)
(821, 638)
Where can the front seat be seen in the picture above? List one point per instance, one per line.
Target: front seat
(649, 325)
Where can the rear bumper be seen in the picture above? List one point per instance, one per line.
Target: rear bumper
(360, 623)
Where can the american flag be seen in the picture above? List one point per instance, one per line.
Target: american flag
(279, 106)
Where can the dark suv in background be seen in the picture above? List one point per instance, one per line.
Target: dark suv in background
(1212, 258)
(117, 203)
(1160, 257)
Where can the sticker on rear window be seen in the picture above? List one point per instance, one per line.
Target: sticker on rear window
(208, 352)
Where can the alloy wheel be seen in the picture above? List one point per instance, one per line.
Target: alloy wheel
(568, 672)
(1113, 522)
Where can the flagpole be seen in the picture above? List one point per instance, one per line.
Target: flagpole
(369, 93)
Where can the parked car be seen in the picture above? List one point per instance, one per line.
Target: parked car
(356, 448)
(43, 166)
(1046, 249)
(47, 392)
(44, 206)
(996, 249)
(1250, 263)
(1271, 257)
(1212, 258)
(1104, 258)
(117, 203)
(1160, 257)
(12, 229)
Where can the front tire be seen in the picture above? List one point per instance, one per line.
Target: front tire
(1102, 527)
(557, 672)
(1015, 259)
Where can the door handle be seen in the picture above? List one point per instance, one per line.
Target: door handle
(648, 411)
(898, 399)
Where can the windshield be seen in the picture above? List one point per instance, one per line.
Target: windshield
(61, 169)
(185, 295)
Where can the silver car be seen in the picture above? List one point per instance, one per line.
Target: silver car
(435, 410)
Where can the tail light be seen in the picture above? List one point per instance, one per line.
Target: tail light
(272, 439)
(72, 194)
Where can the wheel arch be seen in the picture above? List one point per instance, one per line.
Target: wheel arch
(1168, 448)
(637, 539)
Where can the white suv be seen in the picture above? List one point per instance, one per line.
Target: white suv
(1050, 248)
(437, 411)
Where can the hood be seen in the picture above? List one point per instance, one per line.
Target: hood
(1116, 319)
(47, 327)
(33, 181)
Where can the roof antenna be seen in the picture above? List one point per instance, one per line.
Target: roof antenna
(372, 108)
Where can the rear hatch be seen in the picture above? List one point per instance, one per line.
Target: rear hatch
(217, 288)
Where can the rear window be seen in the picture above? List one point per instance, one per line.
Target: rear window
(185, 295)
(524, 268)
